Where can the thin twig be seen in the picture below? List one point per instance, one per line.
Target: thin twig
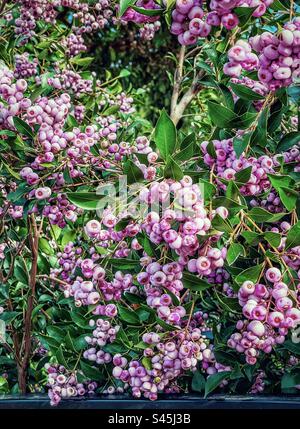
(190, 94)
(34, 243)
(177, 79)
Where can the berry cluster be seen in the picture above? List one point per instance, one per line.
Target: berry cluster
(272, 203)
(12, 92)
(63, 385)
(227, 165)
(190, 21)
(278, 60)
(103, 333)
(259, 383)
(24, 67)
(222, 11)
(93, 17)
(188, 211)
(70, 81)
(270, 313)
(60, 210)
(167, 360)
(74, 45)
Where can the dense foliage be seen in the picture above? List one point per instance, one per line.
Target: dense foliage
(150, 170)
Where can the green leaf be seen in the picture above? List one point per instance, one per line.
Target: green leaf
(133, 298)
(147, 245)
(165, 325)
(288, 197)
(277, 6)
(3, 381)
(114, 348)
(7, 133)
(198, 382)
(261, 215)
(240, 144)
(244, 121)
(56, 333)
(229, 304)
(250, 371)
(91, 372)
(203, 65)
(8, 316)
(39, 91)
(124, 5)
(21, 275)
(278, 181)
(175, 299)
(59, 354)
(259, 135)
(123, 263)
(148, 12)
(244, 92)
(23, 127)
(294, 93)
(84, 200)
(187, 148)
(292, 347)
(221, 116)
(133, 172)
(252, 274)
(79, 320)
(234, 251)
(48, 342)
(273, 238)
(45, 246)
(208, 189)
(84, 62)
(172, 170)
(221, 224)
(123, 223)
(4, 291)
(288, 141)
(124, 73)
(293, 236)
(289, 381)
(210, 148)
(214, 380)
(228, 203)
(128, 316)
(244, 175)
(69, 343)
(224, 357)
(236, 372)
(244, 14)
(227, 96)
(277, 111)
(194, 283)
(11, 171)
(147, 363)
(67, 237)
(165, 135)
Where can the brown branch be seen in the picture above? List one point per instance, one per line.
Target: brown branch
(177, 80)
(2, 6)
(12, 265)
(191, 93)
(33, 242)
